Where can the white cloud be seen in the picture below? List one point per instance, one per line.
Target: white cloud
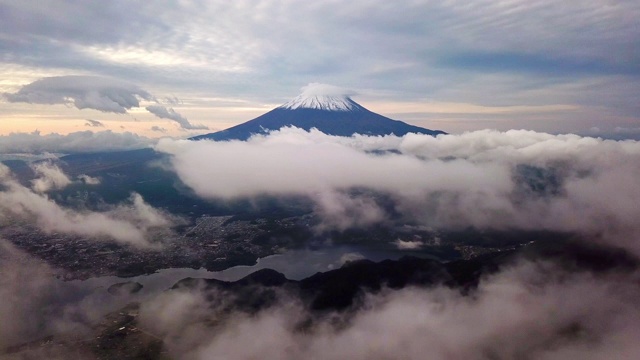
(49, 177)
(486, 179)
(532, 310)
(348, 257)
(408, 244)
(341, 211)
(89, 180)
(295, 162)
(128, 223)
(33, 305)
(318, 89)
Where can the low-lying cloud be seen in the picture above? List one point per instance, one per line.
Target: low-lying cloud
(48, 177)
(33, 305)
(485, 179)
(530, 310)
(534, 310)
(37, 304)
(89, 180)
(128, 223)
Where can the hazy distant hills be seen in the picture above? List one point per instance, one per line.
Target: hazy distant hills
(333, 115)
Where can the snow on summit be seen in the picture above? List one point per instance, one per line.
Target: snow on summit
(323, 97)
(326, 108)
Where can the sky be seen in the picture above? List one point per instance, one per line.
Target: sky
(180, 68)
(507, 79)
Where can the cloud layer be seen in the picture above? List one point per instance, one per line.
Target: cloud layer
(485, 179)
(129, 223)
(536, 310)
(532, 310)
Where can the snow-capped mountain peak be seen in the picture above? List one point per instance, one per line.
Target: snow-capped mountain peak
(323, 97)
(326, 108)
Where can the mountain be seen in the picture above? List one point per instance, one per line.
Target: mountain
(321, 107)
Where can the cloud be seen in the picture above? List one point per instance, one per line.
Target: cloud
(411, 52)
(318, 89)
(617, 133)
(408, 245)
(49, 177)
(89, 180)
(485, 179)
(34, 305)
(93, 123)
(158, 129)
(342, 211)
(127, 223)
(93, 92)
(38, 303)
(534, 309)
(83, 92)
(173, 100)
(168, 113)
(531, 309)
(295, 162)
(348, 257)
(76, 142)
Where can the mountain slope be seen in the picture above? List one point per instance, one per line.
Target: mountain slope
(331, 113)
